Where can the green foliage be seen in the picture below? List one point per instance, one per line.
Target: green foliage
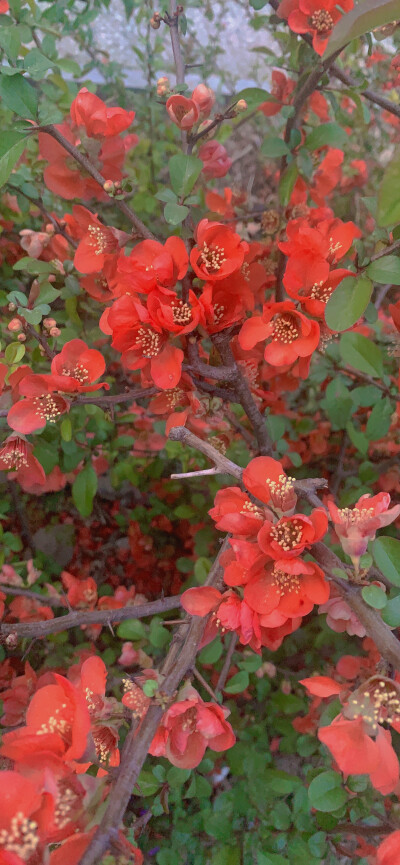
(348, 302)
(386, 552)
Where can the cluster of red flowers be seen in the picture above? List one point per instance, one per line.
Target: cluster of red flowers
(271, 587)
(316, 17)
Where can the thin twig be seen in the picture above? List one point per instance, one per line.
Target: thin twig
(227, 663)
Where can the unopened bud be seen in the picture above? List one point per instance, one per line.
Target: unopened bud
(21, 337)
(286, 687)
(11, 640)
(51, 277)
(49, 322)
(241, 105)
(49, 228)
(108, 186)
(55, 331)
(14, 325)
(163, 86)
(155, 21)
(12, 307)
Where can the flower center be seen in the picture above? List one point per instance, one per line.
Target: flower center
(250, 510)
(287, 534)
(78, 372)
(321, 21)
(104, 742)
(66, 803)
(285, 583)
(281, 491)
(14, 454)
(56, 724)
(285, 329)
(22, 837)
(149, 341)
(333, 249)
(190, 720)
(321, 292)
(218, 312)
(377, 701)
(174, 397)
(212, 258)
(100, 239)
(351, 516)
(46, 408)
(181, 312)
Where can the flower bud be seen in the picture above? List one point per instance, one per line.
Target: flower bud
(163, 86)
(241, 105)
(55, 331)
(12, 307)
(155, 21)
(14, 325)
(204, 98)
(21, 337)
(108, 186)
(49, 322)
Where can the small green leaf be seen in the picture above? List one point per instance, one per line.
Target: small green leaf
(348, 302)
(18, 95)
(361, 353)
(287, 183)
(326, 134)
(274, 146)
(374, 597)
(380, 419)
(132, 629)
(326, 793)
(14, 353)
(184, 171)
(12, 145)
(175, 213)
(33, 265)
(66, 430)
(385, 270)
(237, 683)
(391, 612)
(254, 96)
(388, 195)
(84, 490)
(386, 553)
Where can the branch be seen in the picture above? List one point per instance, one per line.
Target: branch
(180, 659)
(88, 617)
(20, 591)
(86, 164)
(173, 23)
(113, 399)
(227, 663)
(384, 639)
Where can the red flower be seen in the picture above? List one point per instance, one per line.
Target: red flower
(105, 735)
(98, 245)
(64, 178)
(216, 162)
(357, 526)
(4, 7)
(315, 297)
(234, 512)
(292, 334)
(81, 594)
(98, 120)
(173, 314)
(76, 367)
(72, 850)
(204, 98)
(153, 265)
(281, 90)
(190, 726)
(312, 250)
(264, 478)
(357, 753)
(322, 686)
(183, 112)
(219, 251)
(327, 176)
(42, 405)
(16, 455)
(388, 852)
(291, 587)
(291, 535)
(317, 17)
(20, 832)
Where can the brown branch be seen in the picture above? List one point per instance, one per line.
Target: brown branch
(88, 617)
(386, 251)
(173, 23)
(180, 659)
(384, 639)
(113, 399)
(227, 663)
(20, 591)
(41, 340)
(86, 164)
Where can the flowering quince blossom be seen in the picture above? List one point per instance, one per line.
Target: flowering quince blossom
(388, 852)
(182, 111)
(152, 265)
(188, 727)
(233, 511)
(16, 456)
(204, 98)
(98, 120)
(357, 526)
(317, 17)
(72, 850)
(313, 250)
(219, 251)
(314, 298)
(290, 536)
(216, 162)
(357, 753)
(281, 91)
(291, 587)
(21, 829)
(265, 478)
(292, 335)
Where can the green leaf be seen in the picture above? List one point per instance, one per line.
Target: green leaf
(385, 270)
(386, 553)
(184, 171)
(287, 183)
(254, 96)
(37, 64)
(237, 683)
(391, 613)
(147, 784)
(348, 302)
(132, 629)
(326, 133)
(379, 421)
(33, 265)
(388, 196)
(12, 145)
(14, 353)
(84, 490)
(274, 146)
(47, 293)
(374, 597)
(175, 213)
(326, 793)
(358, 351)
(66, 430)
(363, 18)
(18, 95)
(166, 195)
